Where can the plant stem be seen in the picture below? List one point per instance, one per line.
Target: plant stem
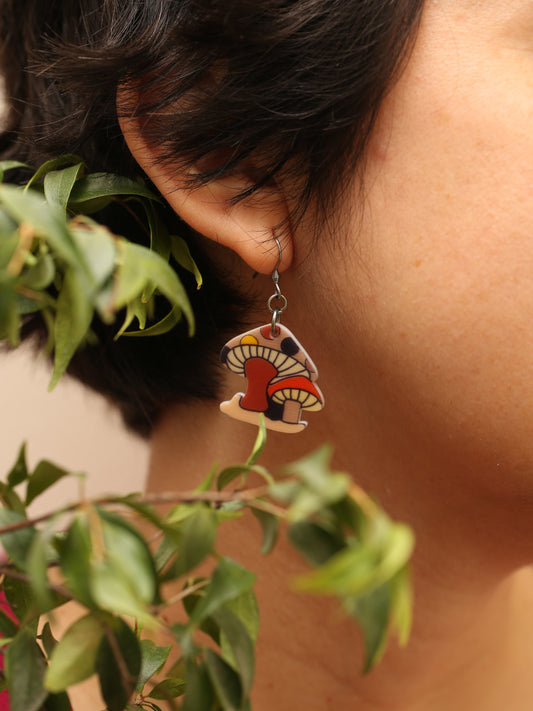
(186, 591)
(249, 496)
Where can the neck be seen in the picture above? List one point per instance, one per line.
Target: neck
(472, 620)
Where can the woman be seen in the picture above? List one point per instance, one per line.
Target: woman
(388, 148)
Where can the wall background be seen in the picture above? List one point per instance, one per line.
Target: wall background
(71, 426)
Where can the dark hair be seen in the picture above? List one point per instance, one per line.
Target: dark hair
(295, 83)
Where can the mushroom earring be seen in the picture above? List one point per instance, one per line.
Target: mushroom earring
(281, 376)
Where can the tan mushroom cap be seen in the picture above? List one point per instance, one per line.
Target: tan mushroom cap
(281, 349)
(298, 389)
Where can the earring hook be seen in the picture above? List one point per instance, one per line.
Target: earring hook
(277, 295)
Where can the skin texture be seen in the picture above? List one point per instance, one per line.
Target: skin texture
(424, 294)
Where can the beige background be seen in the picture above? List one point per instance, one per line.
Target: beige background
(70, 426)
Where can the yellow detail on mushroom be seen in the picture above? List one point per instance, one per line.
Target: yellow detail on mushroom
(249, 341)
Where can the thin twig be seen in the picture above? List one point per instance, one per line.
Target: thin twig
(215, 497)
(185, 592)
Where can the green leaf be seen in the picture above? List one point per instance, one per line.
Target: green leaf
(322, 487)
(46, 220)
(25, 668)
(208, 626)
(9, 317)
(52, 164)
(159, 237)
(372, 612)
(182, 255)
(124, 580)
(9, 239)
(19, 472)
(125, 546)
(130, 278)
(401, 605)
(8, 626)
(159, 242)
(73, 319)
(229, 580)
(114, 593)
(20, 599)
(98, 185)
(177, 515)
(120, 643)
(43, 477)
(74, 657)
(6, 165)
(361, 567)
(197, 540)
(237, 646)
(166, 550)
(199, 690)
(269, 526)
(40, 276)
(138, 267)
(315, 542)
(153, 657)
(246, 608)
(207, 483)
(259, 443)
(135, 309)
(168, 689)
(11, 499)
(57, 702)
(97, 246)
(37, 568)
(229, 474)
(225, 682)
(165, 325)
(75, 552)
(349, 572)
(48, 639)
(17, 543)
(58, 185)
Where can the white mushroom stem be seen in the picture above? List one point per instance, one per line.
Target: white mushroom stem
(291, 411)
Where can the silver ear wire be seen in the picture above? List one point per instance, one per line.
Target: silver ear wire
(276, 311)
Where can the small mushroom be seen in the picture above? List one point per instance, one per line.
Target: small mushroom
(296, 394)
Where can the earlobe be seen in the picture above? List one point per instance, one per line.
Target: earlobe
(247, 226)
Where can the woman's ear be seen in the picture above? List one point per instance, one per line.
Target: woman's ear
(248, 227)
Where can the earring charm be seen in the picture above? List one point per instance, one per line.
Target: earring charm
(280, 373)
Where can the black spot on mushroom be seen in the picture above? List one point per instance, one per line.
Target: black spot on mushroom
(289, 346)
(224, 354)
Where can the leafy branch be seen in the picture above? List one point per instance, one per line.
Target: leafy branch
(103, 562)
(56, 260)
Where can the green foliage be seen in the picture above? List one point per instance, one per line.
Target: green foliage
(356, 553)
(56, 260)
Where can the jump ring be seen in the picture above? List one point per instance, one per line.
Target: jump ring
(276, 318)
(279, 297)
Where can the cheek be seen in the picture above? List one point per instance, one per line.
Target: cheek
(442, 259)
